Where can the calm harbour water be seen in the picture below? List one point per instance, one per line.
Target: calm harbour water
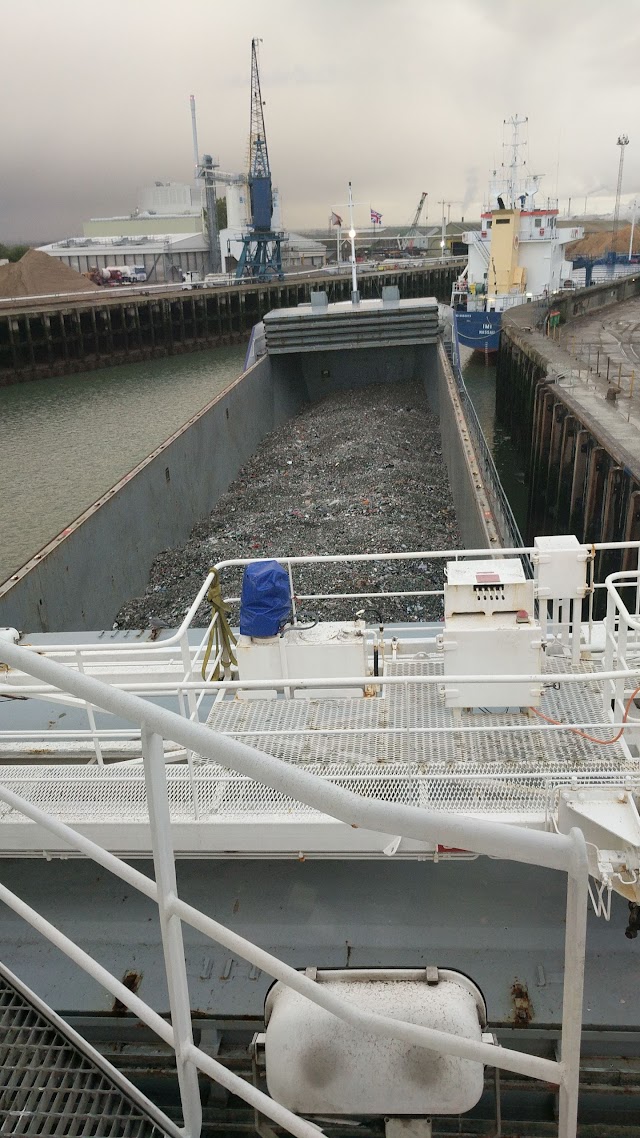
(65, 441)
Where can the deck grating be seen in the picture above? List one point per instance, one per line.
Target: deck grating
(49, 1087)
(378, 747)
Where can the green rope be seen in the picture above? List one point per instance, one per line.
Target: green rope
(220, 633)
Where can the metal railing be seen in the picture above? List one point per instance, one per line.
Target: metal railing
(170, 669)
(566, 853)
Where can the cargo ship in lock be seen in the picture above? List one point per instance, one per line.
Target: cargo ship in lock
(516, 257)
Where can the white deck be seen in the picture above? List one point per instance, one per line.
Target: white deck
(401, 746)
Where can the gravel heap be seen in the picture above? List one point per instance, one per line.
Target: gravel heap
(359, 472)
(38, 274)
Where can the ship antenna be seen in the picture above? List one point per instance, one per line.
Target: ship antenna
(515, 123)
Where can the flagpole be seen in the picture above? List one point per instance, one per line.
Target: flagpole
(355, 295)
(338, 243)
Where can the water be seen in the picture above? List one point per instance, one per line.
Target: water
(65, 441)
(480, 382)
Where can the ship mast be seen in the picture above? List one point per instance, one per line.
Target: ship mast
(515, 164)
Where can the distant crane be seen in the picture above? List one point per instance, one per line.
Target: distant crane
(623, 140)
(207, 169)
(261, 255)
(407, 240)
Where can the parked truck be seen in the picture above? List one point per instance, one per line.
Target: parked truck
(117, 275)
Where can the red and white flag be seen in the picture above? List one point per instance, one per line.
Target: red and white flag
(336, 219)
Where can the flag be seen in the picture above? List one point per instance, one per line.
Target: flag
(376, 217)
(336, 219)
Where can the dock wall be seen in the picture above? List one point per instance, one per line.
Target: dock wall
(58, 336)
(582, 477)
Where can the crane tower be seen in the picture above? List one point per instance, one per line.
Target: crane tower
(407, 239)
(261, 255)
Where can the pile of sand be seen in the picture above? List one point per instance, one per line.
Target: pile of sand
(38, 274)
(597, 244)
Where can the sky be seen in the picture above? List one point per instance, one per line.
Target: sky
(398, 96)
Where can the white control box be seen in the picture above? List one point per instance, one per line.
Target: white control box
(560, 567)
(490, 586)
(328, 649)
(490, 630)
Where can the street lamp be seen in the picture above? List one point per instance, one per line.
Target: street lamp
(355, 295)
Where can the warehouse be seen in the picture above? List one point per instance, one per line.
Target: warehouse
(164, 257)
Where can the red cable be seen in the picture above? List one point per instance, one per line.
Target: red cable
(584, 734)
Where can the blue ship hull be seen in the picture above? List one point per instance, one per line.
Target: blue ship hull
(478, 330)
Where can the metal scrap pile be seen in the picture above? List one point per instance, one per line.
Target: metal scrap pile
(360, 472)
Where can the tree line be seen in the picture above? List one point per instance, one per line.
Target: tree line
(12, 252)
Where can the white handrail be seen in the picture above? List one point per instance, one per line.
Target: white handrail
(161, 647)
(567, 853)
(495, 839)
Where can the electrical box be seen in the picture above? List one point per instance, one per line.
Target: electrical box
(491, 586)
(490, 629)
(560, 567)
(327, 649)
(317, 1064)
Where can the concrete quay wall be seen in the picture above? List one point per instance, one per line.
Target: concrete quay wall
(582, 454)
(80, 579)
(59, 336)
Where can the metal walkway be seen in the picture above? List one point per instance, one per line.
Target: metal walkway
(52, 1082)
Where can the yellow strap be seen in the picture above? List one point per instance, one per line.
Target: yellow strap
(220, 632)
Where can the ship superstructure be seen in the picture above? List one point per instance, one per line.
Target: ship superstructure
(517, 256)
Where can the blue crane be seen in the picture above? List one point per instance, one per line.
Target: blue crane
(261, 256)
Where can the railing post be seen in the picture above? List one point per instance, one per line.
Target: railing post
(171, 929)
(610, 643)
(572, 996)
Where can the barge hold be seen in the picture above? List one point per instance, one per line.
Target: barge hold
(352, 472)
(82, 578)
(357, 878)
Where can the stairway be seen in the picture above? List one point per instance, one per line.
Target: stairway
(52, 1082)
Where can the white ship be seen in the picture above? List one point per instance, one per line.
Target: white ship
(516, 257)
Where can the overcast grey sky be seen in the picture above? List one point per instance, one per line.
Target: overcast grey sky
(397, 95)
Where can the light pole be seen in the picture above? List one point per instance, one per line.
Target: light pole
(623, 141)
(355, 295)
(443, 241)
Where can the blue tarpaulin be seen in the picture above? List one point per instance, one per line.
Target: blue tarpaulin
(265, 602)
